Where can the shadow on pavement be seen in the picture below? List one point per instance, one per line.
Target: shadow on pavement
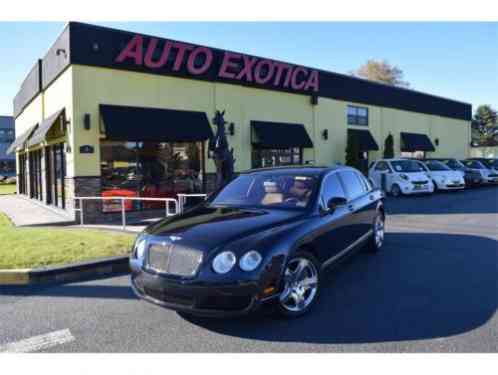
(479, 200)
(419, 286)
(73, 291)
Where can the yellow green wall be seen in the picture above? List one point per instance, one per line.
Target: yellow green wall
(80, 89)
(30, 116)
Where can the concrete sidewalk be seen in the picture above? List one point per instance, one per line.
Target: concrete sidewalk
(25, 212)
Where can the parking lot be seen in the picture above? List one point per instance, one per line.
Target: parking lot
(433, 288)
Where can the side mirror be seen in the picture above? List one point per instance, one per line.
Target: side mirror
(335, 202)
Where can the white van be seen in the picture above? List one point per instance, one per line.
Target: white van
(443, 177)
(400, 176)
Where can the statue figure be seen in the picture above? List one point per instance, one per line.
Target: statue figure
(222, 155)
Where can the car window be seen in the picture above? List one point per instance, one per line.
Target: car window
(454, 164)
(367, 185)
(490, 163)
(267, 190)
(332, 188)
(473, 164)
(381, 166)
(425, 166)
(406, 166)
(435, 165)
(353, 184)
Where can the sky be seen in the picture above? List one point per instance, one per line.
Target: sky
(450, 59)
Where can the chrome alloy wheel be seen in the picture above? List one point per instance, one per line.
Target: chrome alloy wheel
(379, 231)
(301, 285)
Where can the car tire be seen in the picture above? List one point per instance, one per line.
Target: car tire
(436, 189)
(376, 240)
(395, 190)
(293, 288)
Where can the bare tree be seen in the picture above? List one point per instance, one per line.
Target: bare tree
(381, 71)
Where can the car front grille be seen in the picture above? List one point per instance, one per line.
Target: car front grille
(420, 182)
(174, 259)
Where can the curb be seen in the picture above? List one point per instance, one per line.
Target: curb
(69, 273)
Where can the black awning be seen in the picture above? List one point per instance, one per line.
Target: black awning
(279, 135)
(366, 142)
(20, 142)
(137, 124)
(41, 132)
(411, 142)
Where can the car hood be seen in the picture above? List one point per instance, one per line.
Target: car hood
(415, 176)
(206, 228)
(452, 175)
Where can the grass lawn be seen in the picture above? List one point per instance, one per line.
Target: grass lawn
(38, 247)
(7, 189)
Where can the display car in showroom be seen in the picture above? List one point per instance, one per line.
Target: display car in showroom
(400, 177)
(442, 176)
(263, 239)
(471, 176)
(489, 175)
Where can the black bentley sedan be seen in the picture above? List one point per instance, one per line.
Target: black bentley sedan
(264, 238)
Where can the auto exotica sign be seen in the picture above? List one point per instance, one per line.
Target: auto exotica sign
(156, 54)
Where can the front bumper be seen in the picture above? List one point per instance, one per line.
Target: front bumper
(491, 180)
(199, 297)
(452, 186)
(473, 180)
(417, 189)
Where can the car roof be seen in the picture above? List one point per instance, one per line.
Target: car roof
(394, 159)
(306, 169)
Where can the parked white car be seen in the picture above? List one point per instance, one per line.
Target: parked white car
(442, 176)
(489, 176)
(400, 176)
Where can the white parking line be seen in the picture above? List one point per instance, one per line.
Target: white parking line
(37, 343)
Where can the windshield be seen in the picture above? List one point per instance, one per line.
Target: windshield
(406, 166)
(435, 165)
(492, 163)
(268, 191)
(454, 164)
(475, 164)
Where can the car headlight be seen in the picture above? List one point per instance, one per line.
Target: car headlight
(140, 246)
(250, 261)
(404, 177)
(224, 262)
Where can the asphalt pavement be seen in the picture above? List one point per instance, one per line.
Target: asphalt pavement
(432, 288)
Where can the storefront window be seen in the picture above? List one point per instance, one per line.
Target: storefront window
(413, 155)
(22, 174)
(55, 172)
(35, 175)
(264, 158)
(149, 169)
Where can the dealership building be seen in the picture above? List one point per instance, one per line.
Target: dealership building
(114, 113)
(7, 136)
